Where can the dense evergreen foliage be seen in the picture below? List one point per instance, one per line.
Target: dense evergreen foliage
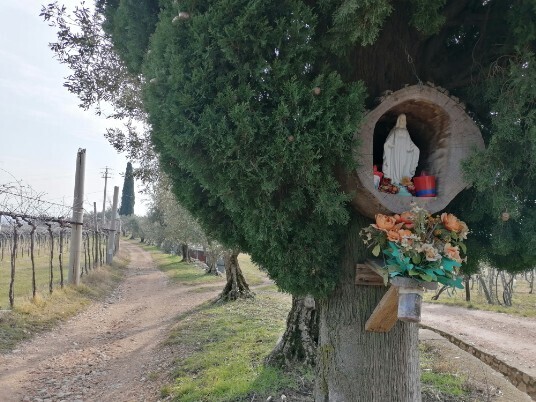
(128, 193)
(235, 111)
(252, 107)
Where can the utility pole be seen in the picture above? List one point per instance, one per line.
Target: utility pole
(111, 232)
(105, 177)
(78, 219)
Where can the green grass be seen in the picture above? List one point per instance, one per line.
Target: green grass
(523, 303)
(254, 276)
(31, 316)
(439, 378)
(190, 275)
(224, 347)
(221, 347)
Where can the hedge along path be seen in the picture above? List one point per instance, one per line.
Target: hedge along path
(113, 350)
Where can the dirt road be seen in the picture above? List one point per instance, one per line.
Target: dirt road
(512, 339)
(110, 352)
(113, 351)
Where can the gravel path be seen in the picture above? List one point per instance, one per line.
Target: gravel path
(112, 351)
(510, 338)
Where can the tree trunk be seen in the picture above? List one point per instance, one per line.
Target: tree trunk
(185, 254)
(467, 288)
(13, 259)
(212, 259)
(299, 343)
(508, 288)
(487, 292)
(354, 365)
(32, 247)
(438, 293)
(236, 286)
(529, 276)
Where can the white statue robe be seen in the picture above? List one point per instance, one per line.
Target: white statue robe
(400, 155)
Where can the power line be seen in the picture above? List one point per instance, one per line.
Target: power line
(35, 199)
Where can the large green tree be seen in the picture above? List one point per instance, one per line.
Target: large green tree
(253, 105)
(128, 193)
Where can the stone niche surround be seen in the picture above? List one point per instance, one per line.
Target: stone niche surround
(441, 129)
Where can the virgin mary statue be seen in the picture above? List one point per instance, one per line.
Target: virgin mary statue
(400, 154)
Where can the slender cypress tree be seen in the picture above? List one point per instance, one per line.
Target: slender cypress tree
(127, 196)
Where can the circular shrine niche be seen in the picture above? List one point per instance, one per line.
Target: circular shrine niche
(438, 126)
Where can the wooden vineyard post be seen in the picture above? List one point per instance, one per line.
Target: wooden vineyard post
(78, 219)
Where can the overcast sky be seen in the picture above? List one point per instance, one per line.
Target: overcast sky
(41, 126)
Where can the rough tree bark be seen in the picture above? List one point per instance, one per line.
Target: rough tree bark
(354, 365)
(212, 259)
(438, 293)
(13, 259)
(185, 253)
(299, 343)
(32, 247)
(60, 257)
(529, 276)
(467, 279)
(508, 288)
(487, 292)
(236, 286)
(51, 271)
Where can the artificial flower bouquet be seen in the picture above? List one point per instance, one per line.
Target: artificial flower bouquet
(418, 245)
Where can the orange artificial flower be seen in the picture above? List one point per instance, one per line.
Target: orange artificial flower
(384, 222)
(451, 222)
(393, 235)
(452, 252)
(398, 234)
(406, 218)
(404, 233)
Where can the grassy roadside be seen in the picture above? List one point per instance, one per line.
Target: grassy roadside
(186, 273)
(523, 303)
(31, 316)
(220, 349)
(438, 382)
(190, 274)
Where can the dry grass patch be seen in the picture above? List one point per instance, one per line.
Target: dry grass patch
(523, 303)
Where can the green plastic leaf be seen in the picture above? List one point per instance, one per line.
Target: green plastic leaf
(449, 265)
(427, 278)
(457, 283)
(431, 274)
(376, 250)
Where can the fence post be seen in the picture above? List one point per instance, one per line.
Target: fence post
(118, 234)
(111, 233)
(78, 219)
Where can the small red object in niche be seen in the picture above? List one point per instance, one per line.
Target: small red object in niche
(377, 176)
(425, 186)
